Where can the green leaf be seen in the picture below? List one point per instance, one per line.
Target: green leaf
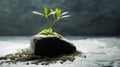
(58, 13)
(52, 10)
(46, 11)
(51, 13)
(38, 13)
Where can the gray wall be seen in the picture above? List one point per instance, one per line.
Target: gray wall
(89, 17)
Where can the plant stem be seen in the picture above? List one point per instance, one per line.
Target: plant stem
(48, 20)
(49, 23)
(53, 23)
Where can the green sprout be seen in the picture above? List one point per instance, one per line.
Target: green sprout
(52, 16)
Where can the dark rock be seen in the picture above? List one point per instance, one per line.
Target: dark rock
(49, 45)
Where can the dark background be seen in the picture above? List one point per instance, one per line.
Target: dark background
(89, 17)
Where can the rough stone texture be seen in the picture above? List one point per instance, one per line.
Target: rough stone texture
(49, 45)
(96, 17)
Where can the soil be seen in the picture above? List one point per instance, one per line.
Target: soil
(25, 55)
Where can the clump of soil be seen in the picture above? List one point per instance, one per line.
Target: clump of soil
(25, 55)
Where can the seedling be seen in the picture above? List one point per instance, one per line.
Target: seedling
(52, 16)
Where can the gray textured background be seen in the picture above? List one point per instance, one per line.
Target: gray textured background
(89, 17)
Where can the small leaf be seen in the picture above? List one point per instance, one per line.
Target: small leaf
(64, 13)
(65, 16)
(51, 13)
(57, 12)
(46, 11)
(52, 10)
(35, 12)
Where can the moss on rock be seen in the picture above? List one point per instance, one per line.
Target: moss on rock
(49, 32)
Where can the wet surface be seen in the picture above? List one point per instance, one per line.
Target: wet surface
(99, 51)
